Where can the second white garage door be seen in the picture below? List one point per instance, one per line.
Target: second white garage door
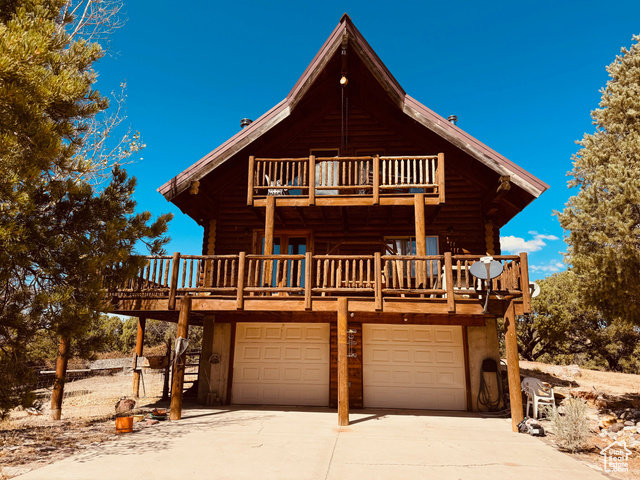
(281, 364)
(413, 366)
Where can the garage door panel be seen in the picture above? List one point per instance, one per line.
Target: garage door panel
(423, 355)
(450, 378)
(281, 364)
(249, 373)
(446, 336)
(314, 333)
(281, 372)
(417, 398)
(271, 374)
(426, 355)
(292, 333)
(425, 377)
(378, 355)
(313, 353)
(293, 353)
(422, 335)
(401, 355)
(248, 333)
(270, 353)
(413, 366)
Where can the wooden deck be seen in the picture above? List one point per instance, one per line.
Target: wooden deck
(346, 181)
(439, 284)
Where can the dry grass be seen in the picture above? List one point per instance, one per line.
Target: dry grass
(612, 383)
(28, 441)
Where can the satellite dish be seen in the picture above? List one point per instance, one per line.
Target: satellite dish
(534, 289)
(486, 269)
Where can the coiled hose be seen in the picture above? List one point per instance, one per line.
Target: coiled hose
(489, 365)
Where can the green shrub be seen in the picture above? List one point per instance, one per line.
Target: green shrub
(572, 428)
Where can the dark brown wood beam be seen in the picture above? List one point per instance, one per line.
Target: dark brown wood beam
(139, 346)
(513, 366)
(343, 363)
(177, 384)
(301, 215)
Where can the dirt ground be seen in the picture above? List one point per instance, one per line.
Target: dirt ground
(29, 441)
(621, 388)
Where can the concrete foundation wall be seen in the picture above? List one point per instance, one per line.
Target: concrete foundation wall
(214, 363)
(483, 343)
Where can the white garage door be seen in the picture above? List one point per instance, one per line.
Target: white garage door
(281, 364)
(413, 366)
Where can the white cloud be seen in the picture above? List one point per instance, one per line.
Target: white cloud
(552, 267)
(513, 244)
(547, 237)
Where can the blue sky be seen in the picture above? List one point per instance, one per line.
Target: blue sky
(522, 77)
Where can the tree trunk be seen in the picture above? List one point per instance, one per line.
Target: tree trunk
(61, 373)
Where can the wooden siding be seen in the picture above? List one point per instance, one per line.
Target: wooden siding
(459, 223)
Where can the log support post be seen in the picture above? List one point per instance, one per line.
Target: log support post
(139, 346)
(524, 280)
(308, 278)
(269, 222)
(61, 374)
(252, 176)
(312, 179)
(377, 258)
(177, 383)
(167, 371)
(241, 274)
(513, 367)
(448, 276)
(376, 180)
(343, 370)
(421, 236)
(440, 174)
(173, 287)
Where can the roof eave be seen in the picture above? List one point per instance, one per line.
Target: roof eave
(469, 144)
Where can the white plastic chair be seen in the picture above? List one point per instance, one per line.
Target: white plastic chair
(538, 393)
(275, 191)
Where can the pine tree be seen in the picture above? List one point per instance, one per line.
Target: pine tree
(62, 234)
(603, 218)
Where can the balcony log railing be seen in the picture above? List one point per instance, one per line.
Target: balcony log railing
(434, 278)
(365, 176)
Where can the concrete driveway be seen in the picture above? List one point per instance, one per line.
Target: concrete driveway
(258, 443)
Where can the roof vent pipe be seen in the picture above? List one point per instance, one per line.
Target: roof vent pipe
(453, 119)
(245, 122)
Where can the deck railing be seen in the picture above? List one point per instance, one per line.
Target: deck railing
(372, 176)
(430, 278)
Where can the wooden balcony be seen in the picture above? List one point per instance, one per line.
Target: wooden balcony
(440, 284)
(344, 181)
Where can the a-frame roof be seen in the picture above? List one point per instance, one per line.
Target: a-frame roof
(343, 33)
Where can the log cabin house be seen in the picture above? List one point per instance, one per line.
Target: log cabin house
(339, 232)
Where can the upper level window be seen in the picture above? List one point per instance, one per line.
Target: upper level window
(407, 245)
